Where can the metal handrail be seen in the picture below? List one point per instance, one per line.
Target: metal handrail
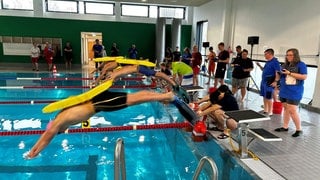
(200, 167)
(119, 161)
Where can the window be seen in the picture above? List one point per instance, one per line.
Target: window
(172, 12)
(99, 8)
(134, 10)
(153, 11)
(62, 6)
(18, 4)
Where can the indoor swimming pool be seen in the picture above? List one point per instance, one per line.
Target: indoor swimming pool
(149, 154)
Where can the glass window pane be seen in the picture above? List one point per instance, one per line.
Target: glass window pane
(18, 4)
(134, 10)
(153, 11)
(63, 6)
(81, 7)
(171, 12)
(99, 8)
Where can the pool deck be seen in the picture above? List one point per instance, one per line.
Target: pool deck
(291, 158)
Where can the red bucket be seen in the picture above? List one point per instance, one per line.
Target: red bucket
(277, 108)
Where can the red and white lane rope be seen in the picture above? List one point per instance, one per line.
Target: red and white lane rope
(102, 129)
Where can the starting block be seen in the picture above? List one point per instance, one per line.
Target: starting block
(193, 92)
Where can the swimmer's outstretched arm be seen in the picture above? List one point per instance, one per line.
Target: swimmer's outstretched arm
(70, 116)
(106, 67)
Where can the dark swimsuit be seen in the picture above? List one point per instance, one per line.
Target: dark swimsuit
(110, 101)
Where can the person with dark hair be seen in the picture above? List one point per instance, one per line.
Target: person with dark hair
(293, 74)
(68, 55)
(114, 50)
(241, 73)
(133, 52)
(223, 60)
(269, 80)
(196, 61)
(186, 56)
(239, 51)
(216, 103)
(176, 54)
(165, 69)
(168, 55)
(212, 63)
(97, 49)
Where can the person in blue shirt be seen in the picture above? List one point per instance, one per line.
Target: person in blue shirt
(293, 74)
(133, 52)
(270, 78)
(97, 49)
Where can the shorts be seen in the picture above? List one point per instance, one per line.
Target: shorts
(146, 71)
(49, 60)
(196, 70)
(266, 91)
(239, 82)
(220, 73)
(109, 101)
(34, 59)
(289, 101)
(212, 66)
(187, 80)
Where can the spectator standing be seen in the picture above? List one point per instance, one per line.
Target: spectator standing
(133, 52)
(270, 78)
(186, 56)
(241, 73)
(212, 63)
(223, 60)
(97, 49)
(68, 55)
(35, 53)
(293, 74)
(114, 50)
(196, 61)
(176, 54)
(48, 53)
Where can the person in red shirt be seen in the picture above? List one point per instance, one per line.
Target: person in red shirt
(196, 63)
(48, 53)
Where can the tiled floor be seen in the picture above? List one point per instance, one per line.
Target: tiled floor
(293, 158)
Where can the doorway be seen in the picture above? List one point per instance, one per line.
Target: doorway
(87, 42)
(201, 36)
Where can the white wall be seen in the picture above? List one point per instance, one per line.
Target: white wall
(280, 24)
(213, 12)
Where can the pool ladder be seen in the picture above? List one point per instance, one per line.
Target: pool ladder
(200, 167)
(119, 161)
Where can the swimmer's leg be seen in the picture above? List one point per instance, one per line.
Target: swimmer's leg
(185, 110)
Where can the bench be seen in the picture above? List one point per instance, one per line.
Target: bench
(193, 92)
(244, 117)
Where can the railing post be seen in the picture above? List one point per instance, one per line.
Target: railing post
(200, 167)
(119, 161)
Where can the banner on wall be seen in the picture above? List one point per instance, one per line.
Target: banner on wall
(17, 49)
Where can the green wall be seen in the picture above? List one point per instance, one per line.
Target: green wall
(123, 33)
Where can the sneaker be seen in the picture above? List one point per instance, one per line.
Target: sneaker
(297, 133)
(282, 129)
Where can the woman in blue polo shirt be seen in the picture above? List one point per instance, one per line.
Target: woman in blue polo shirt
(293, 74)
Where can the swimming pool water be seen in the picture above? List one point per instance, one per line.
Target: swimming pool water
(150, 154)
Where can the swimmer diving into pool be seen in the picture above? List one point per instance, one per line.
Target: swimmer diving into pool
(105, 101)
(112, 65)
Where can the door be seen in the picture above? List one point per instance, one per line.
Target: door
(87, 42)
